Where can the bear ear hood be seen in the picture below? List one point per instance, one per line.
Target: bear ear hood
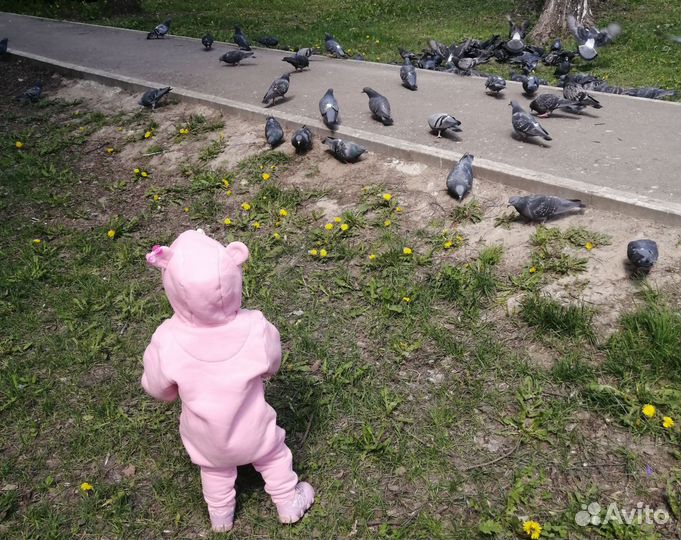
(202, 278)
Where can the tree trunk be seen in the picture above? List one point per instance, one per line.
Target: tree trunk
(552, 22)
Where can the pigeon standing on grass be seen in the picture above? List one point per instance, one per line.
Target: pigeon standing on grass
(442, 122)
(161, 30)
(32, 94)
(302, 139)
(495, 84)
(525, 125)
(329, 109)
(207, 42)
(240, 39)
(233, 58)
(460, 178)
(542, 207)
(277, 89)
(344, 151)
(408, 74)
(274, 133)
(545, 104)
(379, 106)
(333, 47)
(151, 97)
(298, 61)
(642, 254)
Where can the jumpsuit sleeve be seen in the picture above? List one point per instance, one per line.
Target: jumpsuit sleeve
(154, 381)
(272, 349)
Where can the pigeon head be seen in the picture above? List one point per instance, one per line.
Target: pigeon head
(327, 36)
(369, 91)
(459, 191)
(237, 28)
(516, 107)
(39, 84)
(286, 76)
(516, 202)
(557, 45)
(168, 21)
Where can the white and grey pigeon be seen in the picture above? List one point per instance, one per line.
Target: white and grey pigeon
(589, 39)
(240, 39)
(516, 34)
(344, 151)
(207, 42)
(443, 122)
(151, 97)
(542, 207)
(460, 178)
(234, 58)
(408, 74)
(274, 133)
(379, 106)
(530, 83)
(32, 94)
(302, 139)
(525, 125)
(329, 109)
(495, 84)
(304, 51)
(277, 89)
(545, 104)
(333, 47)
(161, 30)
(3, 46)
(575, 92)
(642, 253)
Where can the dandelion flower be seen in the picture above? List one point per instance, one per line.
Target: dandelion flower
(337, 219)
(256, 225)
(313, 252)
(111, 233)
(228, 192)
(447, 244)
(398, 209)
(533, 269)
(19, 145)
(648, 410)
(283, 212)
(85, 487)
(532, 529)
(322, 253)
(227, 221)
(109, 150)
(328, 226)
(589, 246)
(225, 182)
(136, 170)
(265, 176)
(276, 236)
(37, 241)
(387, 223)
(344, 226)
(246, 206)
(372, 257)
(387, 197)
(185, 209)
(667, 422)
(407, 251)
(155, 197)
(273, 168)
(147, 134)
(144, 174)
(406, 299)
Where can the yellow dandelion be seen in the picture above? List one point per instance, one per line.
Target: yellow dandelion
(313, 252)
(144, 174)
(533, 269)
(225, 182)
(109, 150)
(155, 197)
(276, 236)
(667, 422)
(81, 128)
(147, 134)
(532, 529)
(246, 206)
(387, 197)
(185, 209)
(265, 176)
(328, 226)
(283, 212)
(387, 223)
(85, 487)
(407, 251)
(406, 299)
(19, 145)
(256, 225)
(344, 226)
(228, 192)
(398, 209)
(589, 246)
(337, 219)
(273, 168)
(378, 41)
(227, 221)
(136, 170)
(648, 410)
(111, 233)
(372, 257)
(37, 241)
(322, 253)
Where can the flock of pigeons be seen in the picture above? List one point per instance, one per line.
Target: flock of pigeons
(461, 59)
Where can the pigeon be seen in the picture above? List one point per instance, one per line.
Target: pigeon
(346, 152)
(590, 39)
(3, 46)
(530, 85)
(207, 42)
(642, 253)
(273, 132)
(240, 39)
(298, 61)
(574, 92)
(525, 125)
(408, 74)
(151, 97)
(233, 58)
(302, 139)
(442, 122)
(379, 106)
(545, 104)
(268, 41)
(278, 88)
(563, 67)
(161, 30)
(32, 94)
(328, 107)
(516, 33)
(495, 84)
(334, 47)
(460, 179)
(542, 207)
(304, 51)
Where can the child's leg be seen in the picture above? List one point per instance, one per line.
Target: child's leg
(220, 496)
(291, 497)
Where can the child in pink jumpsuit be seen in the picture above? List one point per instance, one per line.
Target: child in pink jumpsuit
(215, 356)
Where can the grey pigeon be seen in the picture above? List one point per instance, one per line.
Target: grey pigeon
(345, 151)
(3, 46)
(525, 125)
(233, 58)
(379, 106)
(408, 74)
(268, 41)
(495, 84)
(460, 178)
(302, 139)
(304, 51)
(240, 39)
(161, 30)
(542, 207)
(643, 253)
(530, 83)
(333, 46)
(590, 39)
(442, 122)
(328, 107)
(274, 133)
(151, 97)
(545, 104)
(574, 92)
(32, 94)
(516, 34)
(298, 61)
(207, 42)
(277, 89)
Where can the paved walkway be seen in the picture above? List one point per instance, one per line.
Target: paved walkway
(627, 152)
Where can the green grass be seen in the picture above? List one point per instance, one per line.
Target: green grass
(641, 56)
(411, 402)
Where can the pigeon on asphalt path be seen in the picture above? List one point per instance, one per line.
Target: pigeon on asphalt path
(233, 58)
(277, 89)
(3, 46)
(442, 122)
(161, 30)
(574, 92)
(495, 84)
(542, 207)
(460, 178)
(525, 125)
(328, 107)
(408, 74)
(274, 133)
(298, 61)
(379, 106)
(240, 39)
(207, 42)
(545, 104)
(344, 151)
